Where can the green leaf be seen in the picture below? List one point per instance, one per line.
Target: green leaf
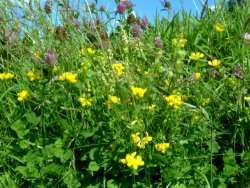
(93, 166)
(88, 133)
(32, 118)
(111, 184)
(71, 180)
(20, 128)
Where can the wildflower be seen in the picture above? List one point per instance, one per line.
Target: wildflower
(118, 68)
(197, 75)
(247, 37)
(146, 139)
(179, 42)
(113, 100)
(214, 63)
(69, 77)
(136, 30)
(138, 92)
(158, 42)
(141, 143)
(85, 102)
(247, 98)
(133, 161)
(219, 27)
(37, 54)
(162, 147)
(6, 76)
(238, 71)
(135, 137)
(174, 101)
(196, 56)
(22, 95)
(90, 51)
(121, 7)
(152, 107)
(144, 22)
(33, 75)
(51, 57)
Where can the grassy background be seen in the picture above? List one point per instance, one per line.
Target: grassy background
(50, 140)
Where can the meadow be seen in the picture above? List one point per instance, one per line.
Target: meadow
(142, 105)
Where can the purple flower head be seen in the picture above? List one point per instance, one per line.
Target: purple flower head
(50, 58)
(247, 37)
(121, 7)
(238, 71)
(158, 42)
(136, 30)
(144, 22)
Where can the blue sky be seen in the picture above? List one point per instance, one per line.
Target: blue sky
(149, 7)
(146, 7)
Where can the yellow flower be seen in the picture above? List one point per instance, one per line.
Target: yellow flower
(151, 108)
(135, 137)
(118, 68)
(162, 147)
(37, 54)
(133, 161)
(90, 51)
(197, 75)
(219, 27)
(138, 92)
(33, 75)
(69, 77)
(247, 98)
(214, 63)
(113, 100)
(196, 56)
(85, 102)
(22, 95)
(6, 76)
(147, 139)
(179, 42)
(174, 101)
(141, 143)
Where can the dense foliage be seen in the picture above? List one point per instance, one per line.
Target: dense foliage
(139, 105)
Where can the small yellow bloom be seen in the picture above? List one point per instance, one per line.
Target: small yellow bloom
(179, 42)
(90, 51)
(147, 139)
(135, 137)
(113, 100)
(219, 27)
(22, 95)
(196, 56)
(151, 108)
(6, 76)
(162, 147)
(69, 77)
(37, 54)
(247, 98)
(197, 75)
(214, 63)
(133, 161)
(141, 143)
(118, 68)
(33, 75)
(85, 102)
(174, 101)
(138, 92)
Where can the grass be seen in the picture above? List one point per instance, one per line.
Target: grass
(186, 119)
